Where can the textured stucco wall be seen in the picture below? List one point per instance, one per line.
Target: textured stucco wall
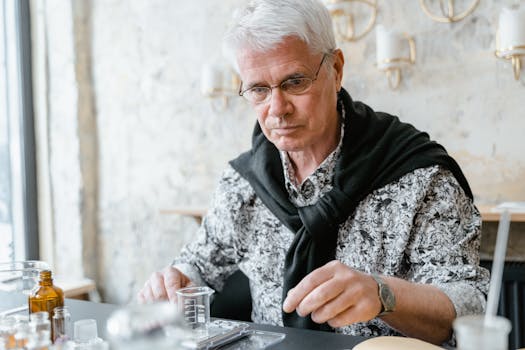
(162, 145)
(62, 131)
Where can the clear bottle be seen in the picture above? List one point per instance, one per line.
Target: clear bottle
(39, 341)
(46, 296)
(61, 325)
(7, 332)
(40, 334)
(23, 331)
(39, 324)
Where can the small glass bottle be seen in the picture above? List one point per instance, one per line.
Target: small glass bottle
(39, 323)
(23, 331)
(46, 296)
(7, 332)
(61, 325)
(39, 341)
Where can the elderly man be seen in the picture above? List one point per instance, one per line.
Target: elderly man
(342, 218)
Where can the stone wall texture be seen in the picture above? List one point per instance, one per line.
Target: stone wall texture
(161, 144)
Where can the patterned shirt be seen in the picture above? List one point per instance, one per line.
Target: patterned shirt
(422, 228)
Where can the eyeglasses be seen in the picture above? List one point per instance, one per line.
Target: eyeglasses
(291, 86)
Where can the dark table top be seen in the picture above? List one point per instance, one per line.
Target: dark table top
(296, 339)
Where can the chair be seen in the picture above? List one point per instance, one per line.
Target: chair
(234, 302)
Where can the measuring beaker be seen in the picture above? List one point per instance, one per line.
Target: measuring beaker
(194, 305)
(20, 276)
(473, 333)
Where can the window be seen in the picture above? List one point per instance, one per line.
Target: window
(18, 219)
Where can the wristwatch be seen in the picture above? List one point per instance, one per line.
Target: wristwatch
(386, 296)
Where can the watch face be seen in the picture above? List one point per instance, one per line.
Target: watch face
(387, 297)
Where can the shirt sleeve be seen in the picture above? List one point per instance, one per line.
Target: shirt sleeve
(444, 249)
(217, 249)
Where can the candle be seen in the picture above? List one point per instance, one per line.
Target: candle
(337, 7)
(511, 30)
(390, 45)
(211, 80)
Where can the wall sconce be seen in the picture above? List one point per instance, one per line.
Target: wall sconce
(219, 81)
(510, 37)
(343, 18)
(392, 48)
(448, 16)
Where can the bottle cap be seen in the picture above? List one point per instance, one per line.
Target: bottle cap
(39, 317)
(85, 330)
(45, 274)
(61, 312)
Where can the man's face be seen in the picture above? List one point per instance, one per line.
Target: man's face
(295, 123)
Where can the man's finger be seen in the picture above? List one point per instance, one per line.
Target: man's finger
(173, 282)
(148, 295)
(353, 314)
(307, 285)
(140, 298)
(334, 307)
(157, 286)
(320, 296)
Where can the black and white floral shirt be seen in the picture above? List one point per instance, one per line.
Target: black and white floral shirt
(422, 228)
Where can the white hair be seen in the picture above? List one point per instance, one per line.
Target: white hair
(263, 24)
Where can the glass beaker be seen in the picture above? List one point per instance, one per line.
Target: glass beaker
(472, 333)
(194, 305)
(20, 276)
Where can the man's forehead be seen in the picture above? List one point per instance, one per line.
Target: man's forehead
(275, 63)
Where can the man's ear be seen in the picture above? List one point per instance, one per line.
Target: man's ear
(337, 66)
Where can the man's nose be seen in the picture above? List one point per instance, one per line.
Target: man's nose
(279, 103)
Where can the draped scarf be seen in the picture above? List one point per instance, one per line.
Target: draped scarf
(377, 149)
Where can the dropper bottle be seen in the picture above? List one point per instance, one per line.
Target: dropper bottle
(46, 296)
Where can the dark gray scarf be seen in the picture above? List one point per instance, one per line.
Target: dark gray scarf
(377, 150)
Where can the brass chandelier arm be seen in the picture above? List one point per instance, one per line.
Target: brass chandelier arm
(340, 15)
(394, 78)
(506, 52)
(515, 58)
(516, 64)
(450, 12)
(450, 17)
(412, 46)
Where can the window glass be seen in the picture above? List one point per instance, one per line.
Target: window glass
(6, 236)
(17, 196)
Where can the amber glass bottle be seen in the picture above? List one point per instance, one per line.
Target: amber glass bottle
(46, 296)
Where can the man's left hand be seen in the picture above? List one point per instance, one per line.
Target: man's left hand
(336, 294)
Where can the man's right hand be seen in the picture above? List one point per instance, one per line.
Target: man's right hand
(162, 286)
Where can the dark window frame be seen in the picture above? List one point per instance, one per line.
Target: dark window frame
(28, 134)
(22, 22)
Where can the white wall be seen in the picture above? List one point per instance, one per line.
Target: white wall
(161, 144)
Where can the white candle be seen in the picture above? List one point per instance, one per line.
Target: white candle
(211, 79)
(511, 30)
(334, 6)
(390, 45)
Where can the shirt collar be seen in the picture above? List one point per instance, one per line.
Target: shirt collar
(324, 170)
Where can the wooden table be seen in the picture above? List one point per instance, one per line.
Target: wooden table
(488, 213)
